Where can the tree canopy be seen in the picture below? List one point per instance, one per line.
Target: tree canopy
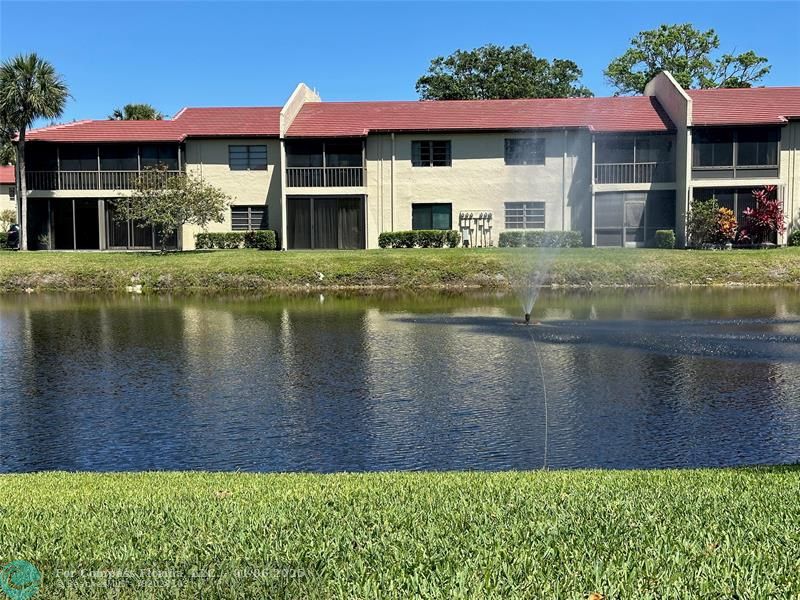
(30, 89)
(136, 112)
(492, 72)
(167, 201)
(686, 53)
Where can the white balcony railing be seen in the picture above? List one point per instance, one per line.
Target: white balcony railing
(644, 172)
(324, 176)
(90, 180)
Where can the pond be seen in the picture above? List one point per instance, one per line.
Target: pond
(386, 381)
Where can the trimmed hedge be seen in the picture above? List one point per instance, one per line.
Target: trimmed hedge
(263, 239)
(538, 238)
(420, 238)
(226, 240)
(794, 237)
(665, 239)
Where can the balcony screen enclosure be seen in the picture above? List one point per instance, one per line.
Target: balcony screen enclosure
(325, 222)
(632, 218)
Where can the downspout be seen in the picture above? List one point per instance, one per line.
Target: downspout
(391, 185)
(564, 184)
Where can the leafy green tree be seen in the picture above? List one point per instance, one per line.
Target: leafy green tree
(492, 71)
(30, 89)
(702, 223)
(686, 53)
(8, 154)
(168, 201)
(136, 112)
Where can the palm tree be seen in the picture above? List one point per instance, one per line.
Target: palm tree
(30, 89)
(136, 112)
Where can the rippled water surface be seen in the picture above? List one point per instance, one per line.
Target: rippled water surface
(646, 378)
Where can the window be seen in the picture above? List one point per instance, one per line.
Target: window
(432, 216)
(712, 148)
(431, 153)
(247, 158)
(248, 217)
(119, 157)
(524, 215)
(78, 157)
(525, 151)
(757, 148)
(163, 155)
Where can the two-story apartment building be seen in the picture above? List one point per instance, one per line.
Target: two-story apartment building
(337, 174)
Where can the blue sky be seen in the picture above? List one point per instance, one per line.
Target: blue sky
(174, 54)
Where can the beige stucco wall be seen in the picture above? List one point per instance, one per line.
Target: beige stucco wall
(479, 180)
(209, 159)
(678, 105)
(789, 172)
(6, 203)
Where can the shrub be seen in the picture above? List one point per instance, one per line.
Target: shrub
(664, 238)
(538, 238)
(225, 240)
(794, 237)
(763, 222)
(3, 239)
(263, 239)
(420, 238)
(726, 225)
(702, 223)
(7, 217)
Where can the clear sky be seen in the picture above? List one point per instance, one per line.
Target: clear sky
(174, 54)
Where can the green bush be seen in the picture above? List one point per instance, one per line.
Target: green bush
(226, 240)
(794, 237)
(3, 239)
(538, 238)
(263, 239)
(421, 238)
(665, 238)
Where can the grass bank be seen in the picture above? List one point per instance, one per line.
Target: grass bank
(460, 267)
(625, 534)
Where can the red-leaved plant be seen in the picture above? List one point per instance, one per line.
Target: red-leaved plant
(766, 219)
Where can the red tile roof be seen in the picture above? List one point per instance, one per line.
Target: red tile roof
(7, 175)
(745, 106)
(190, 122)
(258, 121)
(327, 119)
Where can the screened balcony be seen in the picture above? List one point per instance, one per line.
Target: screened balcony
(634, 159)
(325, 163)
(98, 167)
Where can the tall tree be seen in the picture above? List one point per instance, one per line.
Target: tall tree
(30, 89)
(167, 201)
(493, 71)
(8, 153)
(136, 112)
(686, 53)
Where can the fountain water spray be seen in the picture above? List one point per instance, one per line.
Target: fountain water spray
(528, 291)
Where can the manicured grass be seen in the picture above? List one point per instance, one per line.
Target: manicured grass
(637, 534)
(492, 267)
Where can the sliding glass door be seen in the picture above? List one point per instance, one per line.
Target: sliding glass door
(325, 222)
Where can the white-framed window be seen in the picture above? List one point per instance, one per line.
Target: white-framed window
(525, 215)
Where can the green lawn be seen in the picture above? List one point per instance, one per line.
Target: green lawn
(492, 267)
(560, 534)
